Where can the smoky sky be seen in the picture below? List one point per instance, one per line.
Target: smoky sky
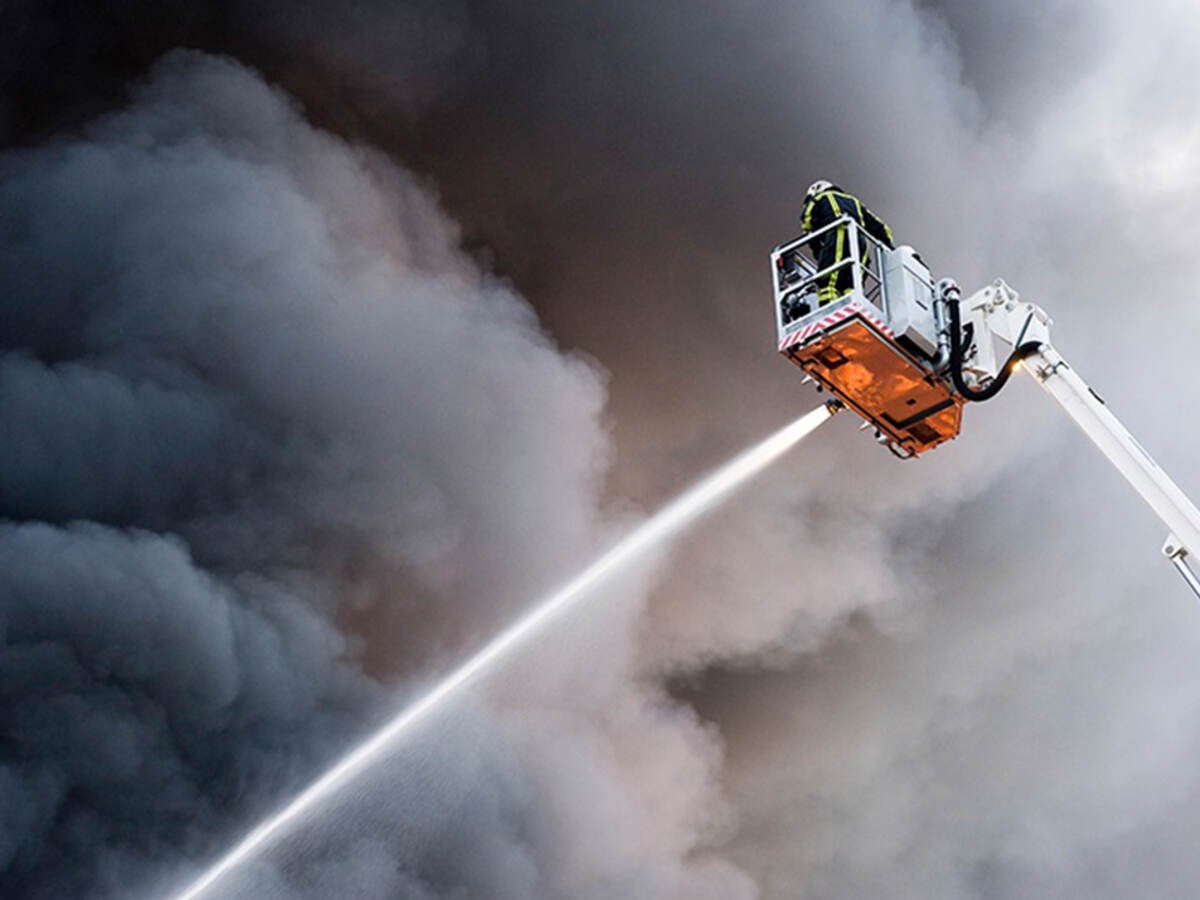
(332, 339)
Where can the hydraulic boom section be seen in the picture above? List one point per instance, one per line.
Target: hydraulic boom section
(1020, 334)
(907, 354)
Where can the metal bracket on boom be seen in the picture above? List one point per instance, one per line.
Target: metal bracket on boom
(1177, 554)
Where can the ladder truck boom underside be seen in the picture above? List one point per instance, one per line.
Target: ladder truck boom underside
(907, 354)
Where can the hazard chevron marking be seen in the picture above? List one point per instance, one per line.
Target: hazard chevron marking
(823, 324)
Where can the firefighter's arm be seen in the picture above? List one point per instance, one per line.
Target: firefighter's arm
(878, 228)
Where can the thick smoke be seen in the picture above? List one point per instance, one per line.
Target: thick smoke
(965, 677)
(266, 426)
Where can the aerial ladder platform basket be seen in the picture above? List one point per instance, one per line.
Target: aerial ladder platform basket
(875, 347)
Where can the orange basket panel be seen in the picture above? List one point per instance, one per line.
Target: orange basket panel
(883, 384)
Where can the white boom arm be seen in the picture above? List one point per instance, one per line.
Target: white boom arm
(1002, 322)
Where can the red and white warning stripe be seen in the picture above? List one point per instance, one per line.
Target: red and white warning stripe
(825, 322)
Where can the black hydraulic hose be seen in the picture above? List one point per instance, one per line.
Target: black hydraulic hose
(957, 348)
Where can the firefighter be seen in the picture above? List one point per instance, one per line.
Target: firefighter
(824, 203)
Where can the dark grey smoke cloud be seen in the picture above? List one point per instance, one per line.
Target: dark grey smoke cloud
(258, 407)
(969, 677)
(142, 696)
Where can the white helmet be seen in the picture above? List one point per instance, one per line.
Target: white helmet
(819, 186)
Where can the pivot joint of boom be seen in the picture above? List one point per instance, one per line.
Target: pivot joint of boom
(1174, 550)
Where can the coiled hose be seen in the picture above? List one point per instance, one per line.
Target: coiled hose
(959, 341)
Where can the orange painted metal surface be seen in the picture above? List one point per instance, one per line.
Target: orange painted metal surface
(882, 383)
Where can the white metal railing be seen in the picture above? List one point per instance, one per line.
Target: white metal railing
(796, 274)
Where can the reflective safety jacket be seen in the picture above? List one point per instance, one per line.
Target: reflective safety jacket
(833, 204)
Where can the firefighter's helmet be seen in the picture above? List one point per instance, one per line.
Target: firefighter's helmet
(819, 186)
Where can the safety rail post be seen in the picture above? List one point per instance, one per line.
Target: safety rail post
(856, 266)
(777, 293)
(884, 302)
